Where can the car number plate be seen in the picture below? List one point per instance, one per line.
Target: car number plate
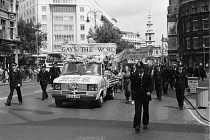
(72, 96)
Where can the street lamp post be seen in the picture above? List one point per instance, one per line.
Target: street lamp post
(204, 64)
(95, 14)
(37, 45)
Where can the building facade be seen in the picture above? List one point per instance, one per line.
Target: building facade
(8, 30)
(172, 19)
(63, 20)
(193, 32)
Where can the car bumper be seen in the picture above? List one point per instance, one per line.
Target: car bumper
(65, 97)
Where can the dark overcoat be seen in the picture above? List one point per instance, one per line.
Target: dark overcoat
(180, 80)
(43, 77)
(15, 78)
(141, 86)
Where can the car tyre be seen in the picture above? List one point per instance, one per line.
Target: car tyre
(100, 101)
(58, 102)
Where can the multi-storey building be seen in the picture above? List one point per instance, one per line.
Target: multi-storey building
(193, 32)
(63, 20)
(8, 30)
(172, 18)
(132, 38)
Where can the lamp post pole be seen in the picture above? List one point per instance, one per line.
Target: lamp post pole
(37, 45)
(204, 55)
(95, 15)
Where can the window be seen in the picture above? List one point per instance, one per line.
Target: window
(187, 10)
(82, 37)
(195, 25)
(149, 38)
(44, 26)
(43, 8)
(82, 18)
(206, 42)
(205, 23)
(205, 7)
(194, 8)
(195, 42)
(44, 17)
(82, 27)
(82, 9)
(188, 43)
(188, 26)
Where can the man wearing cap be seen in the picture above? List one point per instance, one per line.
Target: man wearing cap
(158, 78)
(15, 82)
(142, 87)
(43, 77)
(54, 72)
(181, 83)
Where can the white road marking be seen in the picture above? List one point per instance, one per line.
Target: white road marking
(35, 92)
(196, 118)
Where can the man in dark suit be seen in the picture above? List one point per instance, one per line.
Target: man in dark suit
(43, 78)
(158, 78)
(15, 82)
(54, 72)
(142, 87)
(181, 83)
(134, 73)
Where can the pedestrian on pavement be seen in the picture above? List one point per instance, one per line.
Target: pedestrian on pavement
(54, 72)
(181, 84)
(158, 79)
(15, 82)
(43, 78)
(202, 71)
(196, 71)
(165, 71)
(127, 83)
(134, 73)
(142, 87)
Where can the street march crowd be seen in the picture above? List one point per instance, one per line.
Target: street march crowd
(137, 81)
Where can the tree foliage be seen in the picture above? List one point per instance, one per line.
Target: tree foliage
(109, 34)
(27, 33)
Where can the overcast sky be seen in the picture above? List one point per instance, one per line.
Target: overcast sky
(132, 15)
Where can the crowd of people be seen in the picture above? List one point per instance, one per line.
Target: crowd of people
(137, 82)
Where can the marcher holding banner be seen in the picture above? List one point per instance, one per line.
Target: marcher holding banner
(181, 84)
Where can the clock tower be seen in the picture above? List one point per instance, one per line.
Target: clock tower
(149, 33)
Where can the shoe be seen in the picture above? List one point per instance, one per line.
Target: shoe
(7, 104)
(137, 128)
(181, 108)
(145, 127)
(20, 103)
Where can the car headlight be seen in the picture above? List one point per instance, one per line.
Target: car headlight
(57, 86)
(92, 87)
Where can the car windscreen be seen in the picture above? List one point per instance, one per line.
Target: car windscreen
(81, 68)
(54, 58)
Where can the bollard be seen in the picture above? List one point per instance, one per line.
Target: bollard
(202, 97)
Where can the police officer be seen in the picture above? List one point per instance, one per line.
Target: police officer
(43, 78)
(15, 82)
(142, 87)
(181, 83)
(54, 72)
(158, 78)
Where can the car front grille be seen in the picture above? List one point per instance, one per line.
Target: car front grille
(81, 87)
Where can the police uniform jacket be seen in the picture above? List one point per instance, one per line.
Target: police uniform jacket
(15, 78)
(158, 77)
(180, 80)
(140, 86)
(43, 77)
(54, 72)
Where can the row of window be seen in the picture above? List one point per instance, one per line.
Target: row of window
(194, 7)
(196, 43)
(63, 27)
(62, 38)
(64, 9)
(62, 1)
(195, 25)
(63, 18)
(6, 5)
(24, 6)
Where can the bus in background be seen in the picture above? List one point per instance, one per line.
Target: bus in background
(54, 57)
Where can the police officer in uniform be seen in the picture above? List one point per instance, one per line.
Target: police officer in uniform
(181, 83)
(43, 78)
(54, 72)
(15, 82)
(142, 87)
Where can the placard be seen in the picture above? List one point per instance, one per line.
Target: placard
(193, 84)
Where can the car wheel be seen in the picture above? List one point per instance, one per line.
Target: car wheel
(112, 95)
(58, 102)
(100, 101)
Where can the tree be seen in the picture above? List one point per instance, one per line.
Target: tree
(108, 34)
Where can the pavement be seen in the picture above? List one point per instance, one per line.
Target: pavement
(190, 98)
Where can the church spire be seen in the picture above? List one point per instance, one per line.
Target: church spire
(149, 33)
